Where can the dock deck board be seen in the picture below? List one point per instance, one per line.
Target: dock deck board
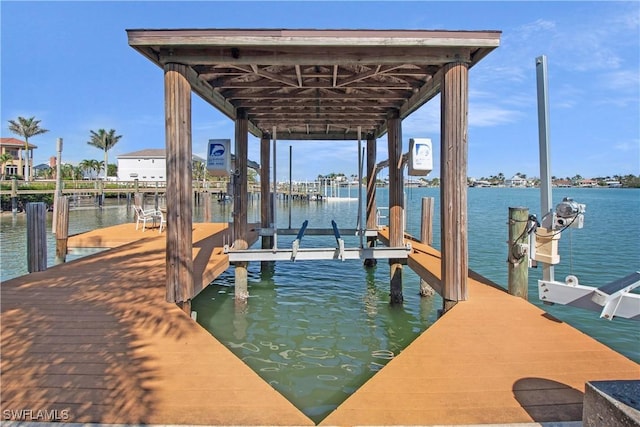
(95, 337)
(495, 358)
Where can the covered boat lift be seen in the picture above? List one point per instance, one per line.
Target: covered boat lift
(323, 85)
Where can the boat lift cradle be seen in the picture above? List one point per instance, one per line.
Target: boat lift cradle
(614, 299)
(297, 253)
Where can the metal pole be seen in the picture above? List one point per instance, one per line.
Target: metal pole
(290, 184)
(359, 227)
(545, 163)
(275, 193)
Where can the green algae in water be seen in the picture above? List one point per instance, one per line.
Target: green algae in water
(317, 330)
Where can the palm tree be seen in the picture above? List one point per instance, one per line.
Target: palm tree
(4, 159)
(86, 166)
(105, 141)
(26, 128)
(112, 170)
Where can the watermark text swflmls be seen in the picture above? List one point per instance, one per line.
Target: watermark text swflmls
(36, 414)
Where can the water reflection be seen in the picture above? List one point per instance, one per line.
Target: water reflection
(314, 337)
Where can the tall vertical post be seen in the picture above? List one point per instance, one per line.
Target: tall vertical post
(274, 200)
(518, 266)
(179, 194)
(453, 190)
(360, 226)
(396, 202)
(14, 195)
(371, 196)
(290, 182)
(265, 195)
(240, 202)
(207, 206)
(426, 237)
(36, 237)
(62, 228)
(58, 191)
(545, 161)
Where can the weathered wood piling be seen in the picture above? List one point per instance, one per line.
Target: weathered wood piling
(62, 228)
(518, 266)
(36, 236)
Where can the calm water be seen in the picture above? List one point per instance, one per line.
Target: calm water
(317, 330)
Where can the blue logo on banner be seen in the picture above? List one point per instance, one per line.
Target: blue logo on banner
(216, 150)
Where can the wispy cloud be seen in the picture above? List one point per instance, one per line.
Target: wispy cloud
(487, 115)
(628, 146)
(424, 121)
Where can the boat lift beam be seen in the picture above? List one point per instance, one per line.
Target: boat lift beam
(308, 254)
(315, 232)
(614, 299)
(298, 253)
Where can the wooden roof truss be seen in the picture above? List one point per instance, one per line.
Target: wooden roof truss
(314, 84)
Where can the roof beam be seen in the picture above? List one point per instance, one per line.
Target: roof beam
(301, 95)
(298, 75)
(380, 55)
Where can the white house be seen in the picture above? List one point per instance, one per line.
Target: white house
(516, 181)
(151, 165)
(145, 165)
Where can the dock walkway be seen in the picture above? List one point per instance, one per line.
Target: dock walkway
(495, 358)
(94, 341)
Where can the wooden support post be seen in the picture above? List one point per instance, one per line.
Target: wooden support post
(265, 196)
(371, 208)
(426, 237)
(14, 195)
(155, 199)
(518, 280)
(62, 228)
(179, 194)
(100, 193)
(453, 188)
(36, 236)
(396, 202)
(240, 202)
(207, 206)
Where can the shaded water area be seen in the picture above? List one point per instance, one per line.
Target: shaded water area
(317, 330)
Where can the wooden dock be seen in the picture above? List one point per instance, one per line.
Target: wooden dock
(94, 341)
(495, 358)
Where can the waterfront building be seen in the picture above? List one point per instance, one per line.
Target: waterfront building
(146, 165)
(516, 181)
(15, 148)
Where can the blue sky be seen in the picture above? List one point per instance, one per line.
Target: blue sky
(69, 64)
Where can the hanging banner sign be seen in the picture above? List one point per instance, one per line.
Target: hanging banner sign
(219, 157)
(420, 157)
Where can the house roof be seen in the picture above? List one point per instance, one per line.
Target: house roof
(14, 142)
(149, 153)
(314, 84)
(152, 153)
